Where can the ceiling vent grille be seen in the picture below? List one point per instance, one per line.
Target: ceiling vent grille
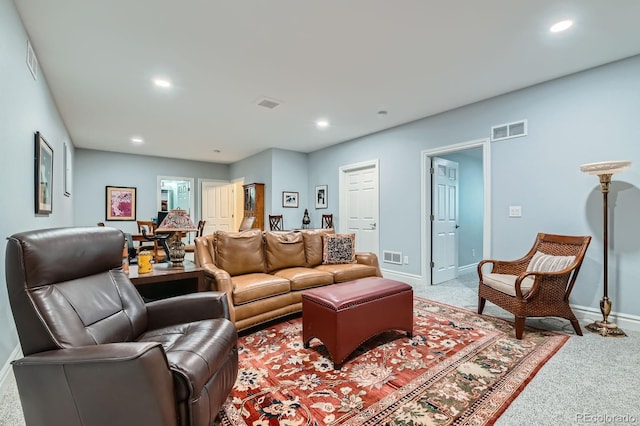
(32, 61)
(392, 257)
(268, 103)
(509, 130)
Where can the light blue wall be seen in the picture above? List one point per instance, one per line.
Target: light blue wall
(471, 205)
(256, 169)
(587, 117)
(291, 176)
(26, 106)
(95, 170)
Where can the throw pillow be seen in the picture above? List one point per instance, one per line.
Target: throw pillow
(338, 248)
(541, 262)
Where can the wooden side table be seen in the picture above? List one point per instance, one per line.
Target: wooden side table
(168, 281)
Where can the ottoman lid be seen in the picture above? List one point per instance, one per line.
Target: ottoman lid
(343, 295)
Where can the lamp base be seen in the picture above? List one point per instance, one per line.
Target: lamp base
(606, 329)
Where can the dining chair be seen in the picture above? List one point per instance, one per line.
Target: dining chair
(327, 221)
(276, 222)
(149, 228)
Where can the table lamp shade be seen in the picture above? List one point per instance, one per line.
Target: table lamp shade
(176, 221)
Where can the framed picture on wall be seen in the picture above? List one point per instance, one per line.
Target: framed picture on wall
(289, 199)
(321, 197)
(67, 169)
(121, 203)
(43, 175)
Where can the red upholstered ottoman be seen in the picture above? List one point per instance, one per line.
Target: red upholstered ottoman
(345, 315)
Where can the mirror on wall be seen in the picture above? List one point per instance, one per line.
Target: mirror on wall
(176, 193)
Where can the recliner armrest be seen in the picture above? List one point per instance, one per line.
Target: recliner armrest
(188, 308)
(102, 385)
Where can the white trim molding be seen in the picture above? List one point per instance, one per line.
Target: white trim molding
(411, 279)
(6, 371)
(624, 321)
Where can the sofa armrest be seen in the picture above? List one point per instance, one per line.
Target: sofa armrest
(115, 383)
(369, 258)
(220, 280)
(187, 308)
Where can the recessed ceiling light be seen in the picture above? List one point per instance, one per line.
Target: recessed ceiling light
(561, 26)
(322, 124)
(137, 140)
(161, 82)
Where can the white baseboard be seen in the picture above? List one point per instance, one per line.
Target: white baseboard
(467, 268)
(411, 279)
(624, 321)
(6, 371)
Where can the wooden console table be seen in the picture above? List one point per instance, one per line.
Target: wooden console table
(167, 281)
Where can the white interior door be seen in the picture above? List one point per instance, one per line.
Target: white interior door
(359, 204)
(217, 207)
(444, 220)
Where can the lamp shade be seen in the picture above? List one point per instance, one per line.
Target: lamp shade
(605, 167)
(177, 221)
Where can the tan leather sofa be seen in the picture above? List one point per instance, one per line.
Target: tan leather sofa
(265, 273)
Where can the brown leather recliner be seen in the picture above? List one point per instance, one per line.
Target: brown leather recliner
(97, 354)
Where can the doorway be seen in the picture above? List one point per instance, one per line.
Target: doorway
(359, 209)
(217, 206)
(473, 234)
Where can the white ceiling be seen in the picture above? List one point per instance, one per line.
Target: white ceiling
(343, 60)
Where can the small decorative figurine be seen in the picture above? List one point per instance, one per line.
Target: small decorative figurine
(305, 220)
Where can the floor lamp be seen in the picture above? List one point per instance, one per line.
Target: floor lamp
(604, 171)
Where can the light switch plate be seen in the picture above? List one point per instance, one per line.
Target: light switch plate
(515, 211)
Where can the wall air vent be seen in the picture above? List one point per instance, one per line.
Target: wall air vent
(268, 103)
(392, 257)
(32, 61)
(509, 130)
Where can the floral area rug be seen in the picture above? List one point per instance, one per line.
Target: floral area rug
(459, 368)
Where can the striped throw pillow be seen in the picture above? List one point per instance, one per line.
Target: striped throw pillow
(541, 262)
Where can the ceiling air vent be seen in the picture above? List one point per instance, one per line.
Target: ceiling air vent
(509, 130)
(392, 257)
(269, 103)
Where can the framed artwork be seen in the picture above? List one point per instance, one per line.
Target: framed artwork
(121, 203)
(289, 199)
(43, 175)
(321, 197)
(67, 170)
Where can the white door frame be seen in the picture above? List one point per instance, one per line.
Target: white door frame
(342, 173)
(425, 202)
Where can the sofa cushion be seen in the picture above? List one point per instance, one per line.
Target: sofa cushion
(348, 271)
(240, 252)
(283, 250)
(313, 245)
(339, 248)
(541, 262)
(507, 283)
(250, 287)
(301, 278)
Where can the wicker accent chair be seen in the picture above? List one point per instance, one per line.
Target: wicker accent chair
(537, 285)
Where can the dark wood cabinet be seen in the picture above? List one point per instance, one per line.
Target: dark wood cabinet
(254, 203)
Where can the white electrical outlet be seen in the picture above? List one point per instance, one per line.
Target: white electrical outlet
(515, 211)
(406, 260)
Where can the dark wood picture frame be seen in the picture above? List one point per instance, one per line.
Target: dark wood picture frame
(289, 199)
(43, 178)
(120, 203)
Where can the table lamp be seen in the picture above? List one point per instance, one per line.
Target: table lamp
(176, 222)
(604, 170)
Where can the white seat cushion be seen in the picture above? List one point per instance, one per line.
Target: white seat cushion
(507, 283)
